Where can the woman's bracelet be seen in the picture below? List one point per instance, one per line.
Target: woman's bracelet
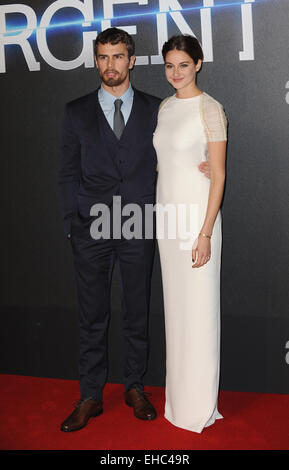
(205, 235)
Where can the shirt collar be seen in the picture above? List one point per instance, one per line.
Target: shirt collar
(108, 99)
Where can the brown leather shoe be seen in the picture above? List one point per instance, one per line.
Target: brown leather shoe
(138, 400)
(84, 410)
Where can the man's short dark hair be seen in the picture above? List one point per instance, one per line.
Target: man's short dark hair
(114, 36)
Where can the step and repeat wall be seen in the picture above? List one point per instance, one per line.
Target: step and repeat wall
(46, 60)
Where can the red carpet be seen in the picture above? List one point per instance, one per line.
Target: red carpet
(33, 408)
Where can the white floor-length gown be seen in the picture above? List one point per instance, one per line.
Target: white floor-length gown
(191, 296)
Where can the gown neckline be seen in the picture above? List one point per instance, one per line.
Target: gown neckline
(187, 99)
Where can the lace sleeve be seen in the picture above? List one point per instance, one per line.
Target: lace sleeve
(214, 119)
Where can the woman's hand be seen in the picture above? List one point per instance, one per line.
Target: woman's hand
(201, 251)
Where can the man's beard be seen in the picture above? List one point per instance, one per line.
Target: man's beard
(113, 81)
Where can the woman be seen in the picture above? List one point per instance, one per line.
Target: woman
(191, 128)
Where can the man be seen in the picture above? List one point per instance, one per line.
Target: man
(107, 151)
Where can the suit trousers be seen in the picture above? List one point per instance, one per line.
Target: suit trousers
(94, 261)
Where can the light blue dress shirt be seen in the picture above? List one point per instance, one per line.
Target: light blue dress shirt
(106, 101)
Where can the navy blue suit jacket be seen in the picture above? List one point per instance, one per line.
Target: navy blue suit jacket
(95, 165)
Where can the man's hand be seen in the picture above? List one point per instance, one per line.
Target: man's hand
(204, 167)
